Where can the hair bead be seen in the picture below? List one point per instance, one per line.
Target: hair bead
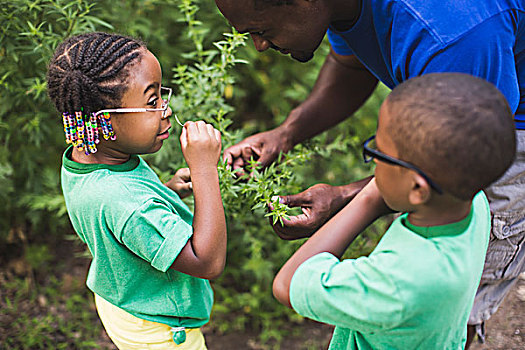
(107, 128)
(93, 120)
(82, 130)
(91, 148)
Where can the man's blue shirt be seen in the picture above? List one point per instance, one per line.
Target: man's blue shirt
(400, 39)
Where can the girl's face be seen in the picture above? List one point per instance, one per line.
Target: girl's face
(143, 132)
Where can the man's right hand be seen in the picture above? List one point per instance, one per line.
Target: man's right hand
(264, 147)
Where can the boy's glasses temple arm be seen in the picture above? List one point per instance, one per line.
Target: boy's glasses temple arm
(369, 154)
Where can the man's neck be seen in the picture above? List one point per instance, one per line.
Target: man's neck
(345, 14)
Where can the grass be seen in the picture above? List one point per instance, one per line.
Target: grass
(45, 304)
(41, 310)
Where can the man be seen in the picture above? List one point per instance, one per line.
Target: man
(392, 41)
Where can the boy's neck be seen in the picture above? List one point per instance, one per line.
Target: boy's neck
(441, 210)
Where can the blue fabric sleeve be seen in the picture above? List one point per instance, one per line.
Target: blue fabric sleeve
(352, 293)
(338, 44)
(156, 234)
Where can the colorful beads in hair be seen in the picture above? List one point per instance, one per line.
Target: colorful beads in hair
(107, 128)
(82, 131)
(80, 144)
(70, 128)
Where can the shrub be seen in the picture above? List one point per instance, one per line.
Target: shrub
(211, 74)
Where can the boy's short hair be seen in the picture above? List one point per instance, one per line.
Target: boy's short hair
(457, 128)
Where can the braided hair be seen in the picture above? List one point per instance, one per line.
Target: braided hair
(89, 71)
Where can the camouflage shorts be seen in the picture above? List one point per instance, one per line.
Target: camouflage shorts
(505, 258)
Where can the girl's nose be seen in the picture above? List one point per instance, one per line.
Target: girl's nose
(260, 43)
(167, 113)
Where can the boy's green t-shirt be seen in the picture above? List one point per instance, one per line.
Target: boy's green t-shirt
(135, 227)
(414, 291)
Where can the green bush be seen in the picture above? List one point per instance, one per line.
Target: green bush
(211, 74)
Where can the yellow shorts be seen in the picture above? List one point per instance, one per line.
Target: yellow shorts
(130, 332)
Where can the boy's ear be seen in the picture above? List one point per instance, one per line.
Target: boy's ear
(420, 192)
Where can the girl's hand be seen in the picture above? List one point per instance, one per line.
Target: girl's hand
(201, 146)
(181, 183)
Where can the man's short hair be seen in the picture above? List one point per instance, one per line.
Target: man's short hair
(457, 128)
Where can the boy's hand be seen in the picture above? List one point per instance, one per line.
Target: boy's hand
(201, 146)
(181, 182)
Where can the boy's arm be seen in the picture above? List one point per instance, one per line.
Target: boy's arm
(204, 255)
(333, 237)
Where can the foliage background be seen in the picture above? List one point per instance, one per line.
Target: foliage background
(218, 78)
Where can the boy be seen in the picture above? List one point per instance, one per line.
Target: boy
(437, 141)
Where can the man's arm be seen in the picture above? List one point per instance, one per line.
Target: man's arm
(342, 86)
(334, 237)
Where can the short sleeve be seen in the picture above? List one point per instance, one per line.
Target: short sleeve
(352, 293)
(156, 234)
(338, 44)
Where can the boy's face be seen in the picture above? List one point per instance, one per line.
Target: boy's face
(143, 132)
(392, 180)
(296, 29)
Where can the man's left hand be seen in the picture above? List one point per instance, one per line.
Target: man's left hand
(318, 204)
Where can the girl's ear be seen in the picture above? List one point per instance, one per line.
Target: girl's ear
(420, 192)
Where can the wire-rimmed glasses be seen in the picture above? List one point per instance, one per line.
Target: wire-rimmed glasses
(165, 93)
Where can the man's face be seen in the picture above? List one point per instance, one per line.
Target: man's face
(296, 29)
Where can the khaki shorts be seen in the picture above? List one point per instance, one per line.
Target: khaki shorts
(505, 258)
(130, 332)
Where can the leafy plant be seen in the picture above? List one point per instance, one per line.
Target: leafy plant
(211, 73)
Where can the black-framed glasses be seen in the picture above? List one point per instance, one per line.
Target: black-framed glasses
(165, 93)
(369, 153)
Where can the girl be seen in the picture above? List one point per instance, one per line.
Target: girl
(151, 258)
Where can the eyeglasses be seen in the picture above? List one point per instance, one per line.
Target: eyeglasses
(369, 153)
(165, 94)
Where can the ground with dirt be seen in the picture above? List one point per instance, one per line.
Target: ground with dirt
(505, 330)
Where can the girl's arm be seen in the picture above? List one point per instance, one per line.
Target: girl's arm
(204, 255)
(333, 237)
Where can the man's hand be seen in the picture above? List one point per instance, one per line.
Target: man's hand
(318, 204)
(263, 147)
(181, 182)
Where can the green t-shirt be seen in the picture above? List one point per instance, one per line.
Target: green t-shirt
(414, 291)
(135, 227)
